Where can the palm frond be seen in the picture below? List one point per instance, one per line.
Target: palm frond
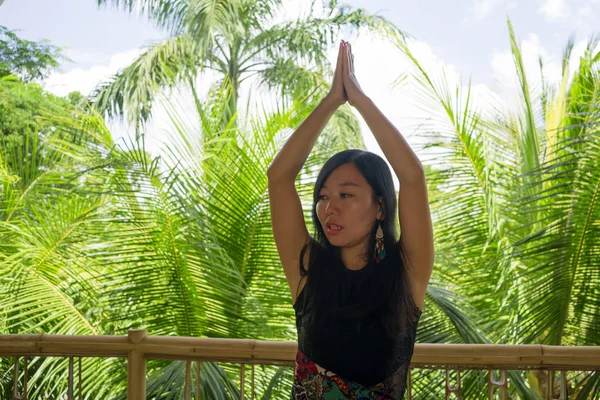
(134, 89)
(169, 14)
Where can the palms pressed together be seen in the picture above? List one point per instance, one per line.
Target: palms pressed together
(345, 86)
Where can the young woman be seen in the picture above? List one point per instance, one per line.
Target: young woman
(357, 291)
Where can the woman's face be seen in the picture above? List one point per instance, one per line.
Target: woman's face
(346, 200)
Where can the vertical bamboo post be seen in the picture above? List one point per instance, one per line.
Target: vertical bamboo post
(80, 392)
(136, 367)
(501, 384)
(198, 381)
(550, 386)
(70, 380)
(16, 395)
(563, 385)
(457, 389)
(252, 387)
(242, 381)
(187, 388)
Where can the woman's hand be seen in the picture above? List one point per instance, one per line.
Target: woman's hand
(352, 89)
(337, 94)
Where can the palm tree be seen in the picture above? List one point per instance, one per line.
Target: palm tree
(95, 239)
(516, 206)
(101, 239)
(109, 239)
(238, 40)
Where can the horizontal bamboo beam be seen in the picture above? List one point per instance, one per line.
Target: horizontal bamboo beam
(251, 351)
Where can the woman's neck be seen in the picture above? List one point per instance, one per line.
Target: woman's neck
(354, 258)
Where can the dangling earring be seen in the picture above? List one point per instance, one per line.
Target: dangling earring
(379, 247)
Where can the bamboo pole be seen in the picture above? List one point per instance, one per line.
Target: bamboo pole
(501, 384)
(188, 384)
(563, 385)
(16, 395)
(136, 367)
(80, 377)
(242, 380)
(70, 380)
(456, 389)
(249, 351)
(252, 384)
(198, 381)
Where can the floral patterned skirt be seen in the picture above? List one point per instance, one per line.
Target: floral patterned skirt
(313, 382)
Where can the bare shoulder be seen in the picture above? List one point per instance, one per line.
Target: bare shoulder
(289, 230)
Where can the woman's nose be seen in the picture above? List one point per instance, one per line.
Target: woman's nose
(331, 206)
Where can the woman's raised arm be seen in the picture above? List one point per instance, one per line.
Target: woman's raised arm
(413, 202)
(287, 217)
(290, 159)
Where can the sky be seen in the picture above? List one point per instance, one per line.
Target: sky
(466, 38)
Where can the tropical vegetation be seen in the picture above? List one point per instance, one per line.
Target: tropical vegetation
(98, 238)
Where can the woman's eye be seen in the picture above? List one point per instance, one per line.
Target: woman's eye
(342, 195)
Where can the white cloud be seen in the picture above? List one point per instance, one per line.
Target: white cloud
(585, 11)
(583, 18)
(555, 9)
(85, 80)
(82, 56)
(376, 78)
(378, 63)
(399, 105)
(483, 8)
(414, 113)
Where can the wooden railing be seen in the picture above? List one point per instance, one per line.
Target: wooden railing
(138, 347)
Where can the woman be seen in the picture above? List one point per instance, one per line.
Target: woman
(358, 292)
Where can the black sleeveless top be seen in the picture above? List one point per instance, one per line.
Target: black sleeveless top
(358, 349)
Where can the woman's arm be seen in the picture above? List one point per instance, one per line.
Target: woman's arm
(401, 157)
(413, 203)
(289, 161)
(404, 161)
(287, 217)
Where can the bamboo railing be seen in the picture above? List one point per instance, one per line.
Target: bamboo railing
(137, 347)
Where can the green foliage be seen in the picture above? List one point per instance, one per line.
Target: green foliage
(28, 60)
(104, 239)
(238, 40)
(98, 239)
(515, 204)
(24, 122)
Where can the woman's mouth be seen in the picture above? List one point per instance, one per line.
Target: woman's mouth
(334, 229)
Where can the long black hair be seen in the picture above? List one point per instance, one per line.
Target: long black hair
(392, 298)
